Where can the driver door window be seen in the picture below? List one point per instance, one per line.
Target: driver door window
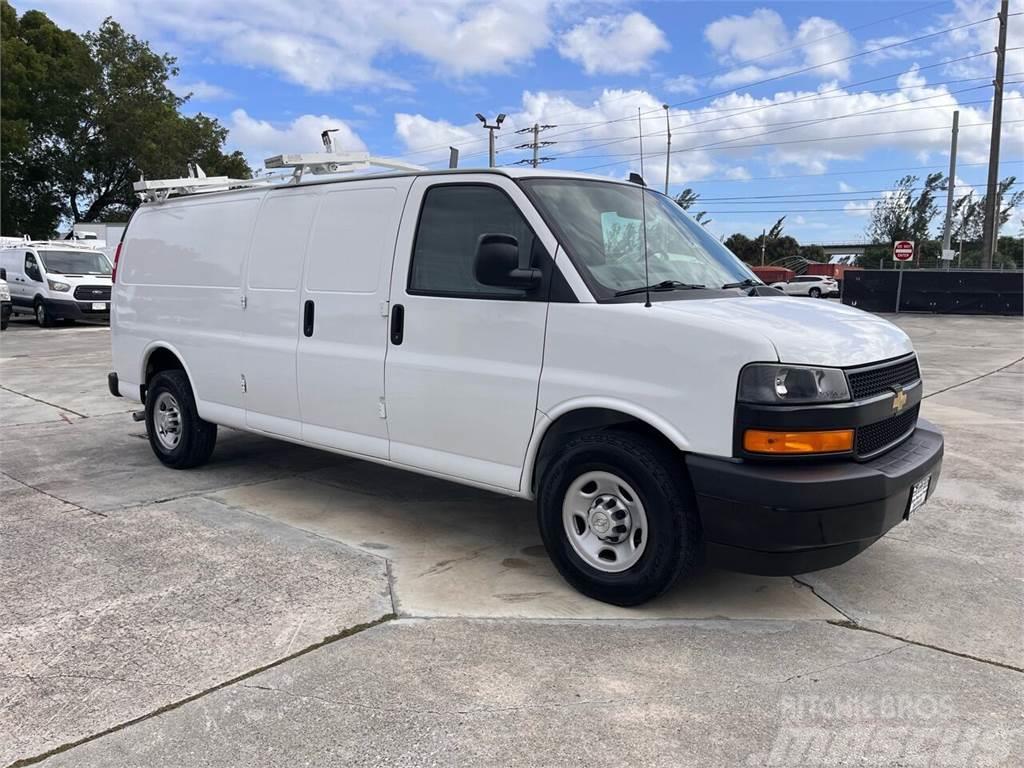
(32, 268)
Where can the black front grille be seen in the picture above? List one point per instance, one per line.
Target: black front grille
(874, 381)
(92, 293)
(875, 437)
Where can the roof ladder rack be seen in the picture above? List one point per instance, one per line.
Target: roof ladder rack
(316, 163)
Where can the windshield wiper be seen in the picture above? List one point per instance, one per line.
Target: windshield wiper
(664, 285)
(747, 283)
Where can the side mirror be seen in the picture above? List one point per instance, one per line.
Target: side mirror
(3, 273)
(497, 263)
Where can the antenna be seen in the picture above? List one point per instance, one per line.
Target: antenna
(643, 208)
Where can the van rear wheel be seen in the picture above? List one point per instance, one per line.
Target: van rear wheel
(179, 438)
(618, 518)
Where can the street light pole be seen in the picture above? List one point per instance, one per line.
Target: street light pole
(668, 145)
(947, 233)
(490, 135)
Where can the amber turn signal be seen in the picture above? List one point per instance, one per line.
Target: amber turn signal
(831, 441)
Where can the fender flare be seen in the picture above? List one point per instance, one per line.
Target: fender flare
(545, 420)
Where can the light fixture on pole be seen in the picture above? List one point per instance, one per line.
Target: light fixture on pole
(490, 133)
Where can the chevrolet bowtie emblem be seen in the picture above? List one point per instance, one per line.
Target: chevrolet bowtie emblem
(899, 399)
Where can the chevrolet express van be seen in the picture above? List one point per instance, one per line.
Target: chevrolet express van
(57, 280)
(553, 336)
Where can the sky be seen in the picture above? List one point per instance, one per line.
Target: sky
(809, 109)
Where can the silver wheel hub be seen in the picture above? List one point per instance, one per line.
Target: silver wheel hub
(167, 420)
(604, 521)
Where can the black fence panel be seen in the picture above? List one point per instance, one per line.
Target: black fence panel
(940, 291)
(870, 289)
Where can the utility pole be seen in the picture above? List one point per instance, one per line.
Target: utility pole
(764, 242)
(535, 145)
(490, 135)
(988, 245)
(947, 232)
(668, 145)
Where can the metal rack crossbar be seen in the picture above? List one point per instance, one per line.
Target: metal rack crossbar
(316, 163)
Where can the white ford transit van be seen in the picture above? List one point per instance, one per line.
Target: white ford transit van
(503, 329)
(57, 280)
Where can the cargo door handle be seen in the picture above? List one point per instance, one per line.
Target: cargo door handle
(307, 319)
(397, 324)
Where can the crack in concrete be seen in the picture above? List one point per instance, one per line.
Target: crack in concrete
(43, 402)
(25, 761)
(829, 603)
(975, 378)
(52, 496)
(929, 646)
(843, 664)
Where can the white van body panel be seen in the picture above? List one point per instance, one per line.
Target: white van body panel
(179, 284)
(272, 313)
(659, 365)
(348, 268)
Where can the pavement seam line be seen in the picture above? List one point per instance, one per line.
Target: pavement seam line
(44, 402)
(861, 628)
(829, 603)
(346, 633)
(976, 378)
(52, 496)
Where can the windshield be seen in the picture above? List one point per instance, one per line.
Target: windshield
(76, 262)
(600, 224)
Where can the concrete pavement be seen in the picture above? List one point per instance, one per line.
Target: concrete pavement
(219, 616)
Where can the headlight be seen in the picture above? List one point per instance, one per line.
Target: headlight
(770, 384)
(57, 285)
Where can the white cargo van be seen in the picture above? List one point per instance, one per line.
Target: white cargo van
(496, 328)
(57, 280)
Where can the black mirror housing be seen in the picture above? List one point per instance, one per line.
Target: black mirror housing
(497, 263)
(3, 273)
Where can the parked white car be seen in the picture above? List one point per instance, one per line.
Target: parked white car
(503, 329)
(57, 280)
(814, 286)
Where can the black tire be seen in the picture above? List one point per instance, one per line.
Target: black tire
(3, 323)
(674, 546)
(43, 317)
(197, 437)
(815, 293)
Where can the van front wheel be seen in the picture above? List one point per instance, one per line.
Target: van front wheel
(43, 317)
(618, 518)
(179, 438)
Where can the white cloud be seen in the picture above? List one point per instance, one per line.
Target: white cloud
(200, 90)
(739, 173)
(823, 41)
(330, 44)
(260, 139)
(844, 187)
(613, 44)
(743, 38)
(685, 84)
(739, 41)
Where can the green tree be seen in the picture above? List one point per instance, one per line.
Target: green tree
(88, 116)
(907, 213)
(686, 199)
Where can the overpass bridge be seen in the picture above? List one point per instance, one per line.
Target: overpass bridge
(844, 248)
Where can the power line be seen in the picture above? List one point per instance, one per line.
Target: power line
(806, 122)
(861, 171)
(629, 157)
